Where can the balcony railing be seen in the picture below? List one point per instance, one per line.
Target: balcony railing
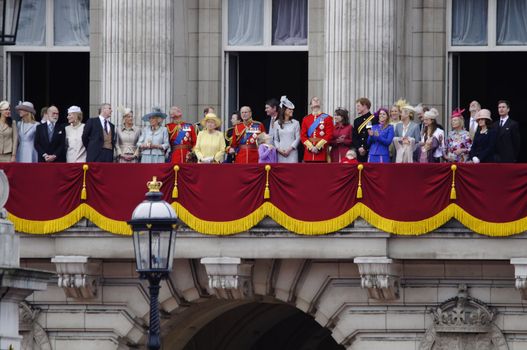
(310, 199)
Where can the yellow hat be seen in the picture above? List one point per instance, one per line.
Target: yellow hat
(211, 116)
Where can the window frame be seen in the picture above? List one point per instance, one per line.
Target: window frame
(267, 32)
(492, 26)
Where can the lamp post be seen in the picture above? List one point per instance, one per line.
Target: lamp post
(9, 25)
(154, 232)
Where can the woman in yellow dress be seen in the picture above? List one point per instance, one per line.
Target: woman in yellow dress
(210, 145)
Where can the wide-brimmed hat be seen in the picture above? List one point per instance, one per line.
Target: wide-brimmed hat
(156, 112)
(211, 116)
(26, 106)
(4, 105)
(483, 114)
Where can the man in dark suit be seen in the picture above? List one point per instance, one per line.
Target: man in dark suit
(99, 136)
(50, 139)
(508, 138)
(271, 110)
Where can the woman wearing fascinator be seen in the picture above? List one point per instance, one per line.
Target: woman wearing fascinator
(286, 133)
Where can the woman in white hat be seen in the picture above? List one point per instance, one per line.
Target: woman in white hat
(153, 142)
(75, 151)
(210, 144)
(8, 134)
(27, 128)
(407, 136)
(482, 150)
(127, 136)
(286, 133)
(432, 137)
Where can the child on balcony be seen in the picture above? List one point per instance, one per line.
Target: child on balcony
(266, 150)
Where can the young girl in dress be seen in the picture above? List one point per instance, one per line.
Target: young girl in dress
(266, 150)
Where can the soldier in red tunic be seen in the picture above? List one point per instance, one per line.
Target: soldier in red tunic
(244, 138)
(182, 136)
(317, 130)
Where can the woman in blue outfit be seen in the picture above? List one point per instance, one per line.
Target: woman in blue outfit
(379, 139)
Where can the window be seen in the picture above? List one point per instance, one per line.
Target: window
(494, 25)
(469, 22)
(512, 22)
(266, 24)
(54, 23)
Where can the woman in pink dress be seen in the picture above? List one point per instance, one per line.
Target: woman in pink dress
(341, 140)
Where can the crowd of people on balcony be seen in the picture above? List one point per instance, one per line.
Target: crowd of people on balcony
(401, 134)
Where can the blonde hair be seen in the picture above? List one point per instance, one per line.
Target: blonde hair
(262, 137)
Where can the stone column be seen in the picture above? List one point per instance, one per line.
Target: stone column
(16, 284)
(135, 53)
(360, 53)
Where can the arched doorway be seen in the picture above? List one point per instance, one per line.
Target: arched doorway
(252, 326)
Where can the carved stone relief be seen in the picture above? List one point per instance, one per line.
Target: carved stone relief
(463, 323)
(34, 335)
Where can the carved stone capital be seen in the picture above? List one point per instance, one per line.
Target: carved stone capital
(78, 277)
(520, 272)
(380, 275)
(229, 278)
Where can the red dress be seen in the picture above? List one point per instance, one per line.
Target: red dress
(244, 143)
(182, 139)
(338, 150)
(319, 139)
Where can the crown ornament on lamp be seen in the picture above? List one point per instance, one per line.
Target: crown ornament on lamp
(154, 185)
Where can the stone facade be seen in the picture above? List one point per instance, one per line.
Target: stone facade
(327, 284)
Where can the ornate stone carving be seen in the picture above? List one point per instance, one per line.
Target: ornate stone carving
(77, 276)
(229, 278)
(380, 275)
(34, 335)
(520, 271)
(463, 323)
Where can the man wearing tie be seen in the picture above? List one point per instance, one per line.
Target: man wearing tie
(50, 139)
(508, 138)
(98, 136)
(471, 124)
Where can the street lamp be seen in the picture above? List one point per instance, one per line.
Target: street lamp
(9, 25)
(154, 231)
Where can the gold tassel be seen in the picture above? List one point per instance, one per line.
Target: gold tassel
(453, 194)
(267, 192)
(359, 189)
(175, 192)
(84, 194)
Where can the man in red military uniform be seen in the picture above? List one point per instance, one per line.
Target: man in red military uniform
(182, 136)
(244, 138)
(317, 130)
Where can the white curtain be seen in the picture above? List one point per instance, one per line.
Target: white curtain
(289, 22)
(72, 22)
(245, 22)
(469, 22)
(512, 22)
(32, 23)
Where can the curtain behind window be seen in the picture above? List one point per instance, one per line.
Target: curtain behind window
(469, 22)
(512, 22)
(72, 22)
(32, 23)
(245, 19)
(289, 22)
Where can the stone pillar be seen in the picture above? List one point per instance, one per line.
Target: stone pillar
(16, 284)
(135, 54)
(360, 53)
